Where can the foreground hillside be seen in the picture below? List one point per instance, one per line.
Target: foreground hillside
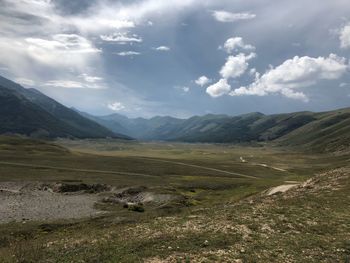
(113, 201)
(29, 112)
(308, 223)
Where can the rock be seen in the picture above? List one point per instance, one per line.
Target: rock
(136, 208)
(206, 243)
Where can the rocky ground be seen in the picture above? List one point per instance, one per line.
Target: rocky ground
(39, 201)
(299, 223)
(308, 222)
(28, 201)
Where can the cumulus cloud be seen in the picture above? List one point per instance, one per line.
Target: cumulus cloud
(226, 17)
(235, 44)
(344, 37)
(236, 66)
(202, 81)
(121, 38)
(162, 48)
(116, 106)
(128, 53)
(294, 74)
(219, 89)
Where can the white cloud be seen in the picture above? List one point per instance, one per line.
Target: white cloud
(121, 38)
(202, 81)
(60, 50)
(128, 53)
(219, 89)
(294, 74)
(186, 89)
(116, 106)
(36, 41)
(97, 23)
(68, 84)
(236, 66)
(252, 71)
(91, 79)
(182, 88)
(65, 43)
(36, 36)
(226, 17)
(24, 81)
(162, 48)
(345, 37)
(343, 85)
(71, 84)
(235, 44)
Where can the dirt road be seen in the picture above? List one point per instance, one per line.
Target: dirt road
(126, 173)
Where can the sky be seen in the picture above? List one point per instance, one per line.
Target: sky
(143, 58)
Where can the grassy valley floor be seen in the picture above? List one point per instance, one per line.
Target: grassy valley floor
(200, 203)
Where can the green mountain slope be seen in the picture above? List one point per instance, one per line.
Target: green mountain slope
(27, 111)
(19, 115)
(330, 131)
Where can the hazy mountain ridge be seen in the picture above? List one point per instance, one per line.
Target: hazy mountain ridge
(29, 112)
(325, 130)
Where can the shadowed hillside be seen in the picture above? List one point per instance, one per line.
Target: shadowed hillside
(29, 112)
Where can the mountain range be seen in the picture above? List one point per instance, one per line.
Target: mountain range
(322, 131)
(29, 112)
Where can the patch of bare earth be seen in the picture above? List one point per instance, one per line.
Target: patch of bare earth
(33, 201)
(37, 201)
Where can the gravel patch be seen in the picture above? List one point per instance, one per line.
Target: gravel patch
(28, 201)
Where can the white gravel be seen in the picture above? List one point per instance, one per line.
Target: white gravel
(281, 189)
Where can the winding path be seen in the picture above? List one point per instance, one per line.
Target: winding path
(202, 167)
